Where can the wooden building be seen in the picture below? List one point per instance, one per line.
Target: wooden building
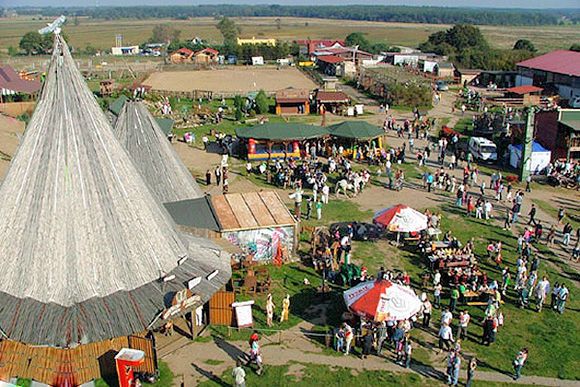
(292, 101)
(529, 95)
(259, 223)
(207, 56)
(183, 55)
(331, 101)
(559, 131)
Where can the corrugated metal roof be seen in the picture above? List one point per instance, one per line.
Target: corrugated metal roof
(332, 59)
(560, 61)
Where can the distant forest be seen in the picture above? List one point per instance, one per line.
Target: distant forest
(433, 15)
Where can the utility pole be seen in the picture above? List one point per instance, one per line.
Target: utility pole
(527, 145)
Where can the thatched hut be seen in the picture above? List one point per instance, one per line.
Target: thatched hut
(90, 259)
(155, 159)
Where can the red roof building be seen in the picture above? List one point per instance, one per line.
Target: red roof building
(521, 90)
(563, 62)
(332, 59)
(558, 70)
(12, 83)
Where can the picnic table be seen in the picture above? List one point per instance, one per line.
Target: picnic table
(434, 232)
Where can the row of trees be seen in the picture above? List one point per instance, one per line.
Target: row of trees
(467, 47)
(434, 15)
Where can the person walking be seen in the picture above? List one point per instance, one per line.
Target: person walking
(445, 337)
(528, 183)
(367, 343)
(453, 299)
(471, 367)
(207, 177)
(408, 351)
(218, 175)
(437, 295)
(427, 309)
(519, 362)
(239, 374)
(464, 319)
(532, 215)
(561, 214)
(562, 298)
(348, 336)
(566, 231)
(318, 210)
(381, 336)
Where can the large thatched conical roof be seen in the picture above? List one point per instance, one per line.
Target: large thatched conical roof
(83, 242)
(154, 157)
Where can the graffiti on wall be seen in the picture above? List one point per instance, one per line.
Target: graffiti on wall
(262, 243)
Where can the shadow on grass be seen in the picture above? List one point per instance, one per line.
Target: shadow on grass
(209, 375)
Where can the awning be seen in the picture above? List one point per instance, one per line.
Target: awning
(282, 131)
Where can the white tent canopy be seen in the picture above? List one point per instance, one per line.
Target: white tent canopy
(539, 159)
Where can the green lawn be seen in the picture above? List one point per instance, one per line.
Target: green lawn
(299, 374)
(464, 126)
(570, 215)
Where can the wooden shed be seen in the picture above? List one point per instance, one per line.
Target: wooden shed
(292, 101)
(259, 223)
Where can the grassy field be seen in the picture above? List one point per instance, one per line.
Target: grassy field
(101, 33)
(300, 374)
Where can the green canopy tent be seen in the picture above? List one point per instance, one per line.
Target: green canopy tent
(354, 132)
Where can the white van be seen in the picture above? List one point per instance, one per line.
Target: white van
(482, 149)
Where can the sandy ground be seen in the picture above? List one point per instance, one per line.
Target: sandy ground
(231, 80)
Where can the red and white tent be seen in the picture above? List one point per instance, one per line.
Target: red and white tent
(401, 218)
(382, 300)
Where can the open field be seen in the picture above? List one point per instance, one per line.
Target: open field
(231, 80)
(101, 33)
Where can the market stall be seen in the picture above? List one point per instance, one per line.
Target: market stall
(277, 140)
(355, 136)
(401, 219)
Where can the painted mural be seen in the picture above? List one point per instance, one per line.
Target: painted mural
(262, 243)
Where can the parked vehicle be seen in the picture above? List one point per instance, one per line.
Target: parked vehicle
(575, 102)
(482, 149)
(442, 86)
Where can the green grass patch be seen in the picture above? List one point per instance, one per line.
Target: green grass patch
(570, 216)
(322, 375)
(464, 126)
(213, 362)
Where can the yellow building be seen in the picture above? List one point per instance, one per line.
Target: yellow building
(269, 42)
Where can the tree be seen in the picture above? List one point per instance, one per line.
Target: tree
(357, 39)
(262, 103)
(31, 43)
(12, 51)
(575, 47)
(164, 33)
(90, 50)
(229, 30)
(524, 44)
(238, 104)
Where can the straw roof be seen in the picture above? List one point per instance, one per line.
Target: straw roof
(159, 165)
(83, 242)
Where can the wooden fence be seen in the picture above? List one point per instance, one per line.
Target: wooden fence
(57, 366)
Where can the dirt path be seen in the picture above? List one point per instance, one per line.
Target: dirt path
(213, 358)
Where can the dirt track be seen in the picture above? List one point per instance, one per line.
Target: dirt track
(231, 80)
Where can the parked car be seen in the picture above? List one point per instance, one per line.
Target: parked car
(482, 149)
(442, 86)
(361, 231)
(575, 102)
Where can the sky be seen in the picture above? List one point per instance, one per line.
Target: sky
(444, 3)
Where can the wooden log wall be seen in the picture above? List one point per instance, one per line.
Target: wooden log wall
(55, 366)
